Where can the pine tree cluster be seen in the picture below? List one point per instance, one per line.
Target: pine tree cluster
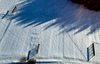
(90, 4)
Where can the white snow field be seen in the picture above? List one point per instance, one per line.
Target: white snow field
(63, 29)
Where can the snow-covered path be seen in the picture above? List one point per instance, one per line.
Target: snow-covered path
(22, 31)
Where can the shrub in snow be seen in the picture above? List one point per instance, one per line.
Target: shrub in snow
(31, 61)
(23, 59)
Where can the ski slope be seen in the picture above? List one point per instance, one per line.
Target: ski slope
(63, 29)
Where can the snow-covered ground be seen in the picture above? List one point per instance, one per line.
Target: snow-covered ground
(63, 29)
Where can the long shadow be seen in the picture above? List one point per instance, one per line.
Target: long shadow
(5, 15)
(67, 15)
(5, 31)
(31, 53)
(35, 63)
(16, 63)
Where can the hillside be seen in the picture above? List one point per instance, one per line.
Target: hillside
(63, 29)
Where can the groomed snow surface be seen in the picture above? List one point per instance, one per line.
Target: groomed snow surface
(63, 29)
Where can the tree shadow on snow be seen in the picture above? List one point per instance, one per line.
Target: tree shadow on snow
(68, 16)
